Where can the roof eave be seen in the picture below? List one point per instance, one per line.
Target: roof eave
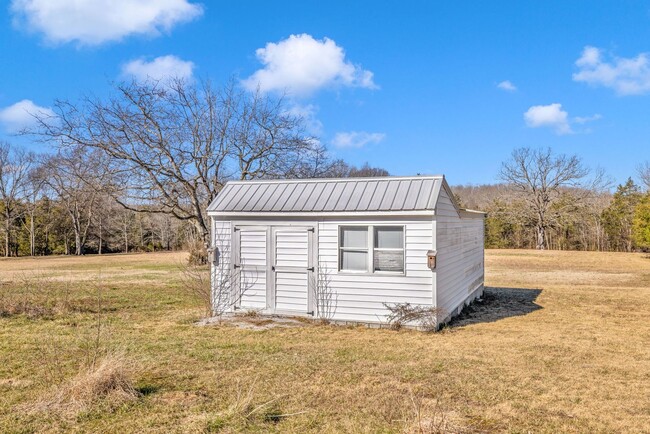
(316, 214)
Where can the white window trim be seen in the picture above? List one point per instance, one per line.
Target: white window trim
(370, 250)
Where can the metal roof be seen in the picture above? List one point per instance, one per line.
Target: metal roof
(329, 195)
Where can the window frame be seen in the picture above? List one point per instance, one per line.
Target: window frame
(389, 249)
(370, 249)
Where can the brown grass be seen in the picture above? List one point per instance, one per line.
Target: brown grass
(108, 383)
(559, 344)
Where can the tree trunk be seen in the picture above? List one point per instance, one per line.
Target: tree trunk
(541, 238)
(32, 236)
(7, 236)
(100, 236)
(126, 238)
(77, 240)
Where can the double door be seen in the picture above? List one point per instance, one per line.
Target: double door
(274, 268)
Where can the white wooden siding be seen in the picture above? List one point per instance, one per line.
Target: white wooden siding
(360, 296)
(459, 243)
(253, 266)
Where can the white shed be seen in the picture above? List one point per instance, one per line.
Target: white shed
(344, 248)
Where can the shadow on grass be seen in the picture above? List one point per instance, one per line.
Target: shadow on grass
(498, 303)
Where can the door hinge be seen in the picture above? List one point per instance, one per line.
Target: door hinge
(236, 266)
(310, 313)
(311, 230)
(310, 269)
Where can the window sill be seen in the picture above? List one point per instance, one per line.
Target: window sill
(368, 273)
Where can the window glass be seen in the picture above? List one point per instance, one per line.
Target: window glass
(355, 237)
(354, 260)
(389, 237)
(389, 260)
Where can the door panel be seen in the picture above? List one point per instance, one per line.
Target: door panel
(292, 268)
(291, 291)
(252, 268)
(291, 249)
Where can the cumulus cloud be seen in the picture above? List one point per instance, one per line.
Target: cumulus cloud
(301, 65)
(627, 76)
(21, 115)
(160, 68)
(356, 139)
(551, 116)
(507, 85)
(98, 21)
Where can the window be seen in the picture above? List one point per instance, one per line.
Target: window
(389, 249)
(371, 249)
(353, 241)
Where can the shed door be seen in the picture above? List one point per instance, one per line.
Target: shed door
(293, 269)
(250, 268)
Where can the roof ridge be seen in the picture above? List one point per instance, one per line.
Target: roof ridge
(348, 179)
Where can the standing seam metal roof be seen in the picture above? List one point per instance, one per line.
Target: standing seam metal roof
(329, 195)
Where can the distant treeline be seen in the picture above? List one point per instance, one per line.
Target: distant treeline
(603, 221)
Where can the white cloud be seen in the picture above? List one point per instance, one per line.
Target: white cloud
(586, 119)
(627, 76)
(93, 22)
(356, 139)
(160, 68)
(551, 116)
(301, 65)
(21, 115)
(507, 85)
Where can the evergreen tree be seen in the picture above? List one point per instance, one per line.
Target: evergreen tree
(641, 223)
(618, 216)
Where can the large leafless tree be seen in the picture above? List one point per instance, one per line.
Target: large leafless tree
(171, 145)
(543, 181)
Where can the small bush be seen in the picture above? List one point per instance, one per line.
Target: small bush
(424, 318)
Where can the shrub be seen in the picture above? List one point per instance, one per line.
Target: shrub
(423, 317)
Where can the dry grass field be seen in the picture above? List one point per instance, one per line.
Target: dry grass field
(561, 343)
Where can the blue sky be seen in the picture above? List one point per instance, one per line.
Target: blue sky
(412, 86)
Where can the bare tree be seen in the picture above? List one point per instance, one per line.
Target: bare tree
(172, 145)
(76, 177)
(543, 180)
(15, 166)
